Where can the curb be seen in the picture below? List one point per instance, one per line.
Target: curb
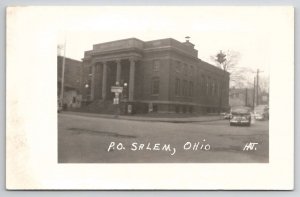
(138, 119)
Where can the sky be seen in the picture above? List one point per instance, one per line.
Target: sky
(245, 30)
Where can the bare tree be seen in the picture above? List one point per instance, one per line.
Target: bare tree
(226, 60)
(242, 77)
(239, 76)
(264, 84)
(228, 63)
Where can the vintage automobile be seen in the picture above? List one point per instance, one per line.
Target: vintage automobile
(240, 116)
(261, 112)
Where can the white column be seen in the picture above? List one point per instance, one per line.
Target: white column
(93, 82)
(131, 79)
(118, 78)
(104, 79)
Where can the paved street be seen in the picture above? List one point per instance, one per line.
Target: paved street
(85, 139)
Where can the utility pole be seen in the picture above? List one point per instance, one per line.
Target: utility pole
(257, 87)
(63, 76)
(246, 97)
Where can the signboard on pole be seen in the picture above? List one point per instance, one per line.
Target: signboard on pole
(116, 89)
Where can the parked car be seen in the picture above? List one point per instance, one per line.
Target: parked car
(240, 116)
(227, 115)
(261, 112)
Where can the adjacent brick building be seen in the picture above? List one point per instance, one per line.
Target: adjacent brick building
(72, 81)
(160, 75)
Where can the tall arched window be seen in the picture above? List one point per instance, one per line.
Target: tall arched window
(177, 87)
(155, 86)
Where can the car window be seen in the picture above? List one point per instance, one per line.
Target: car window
(240, 110)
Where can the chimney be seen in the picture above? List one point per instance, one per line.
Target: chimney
(188, 43)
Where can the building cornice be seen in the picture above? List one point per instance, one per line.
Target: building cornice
(170, 48)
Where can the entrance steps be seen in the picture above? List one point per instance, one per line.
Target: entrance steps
(99, 106)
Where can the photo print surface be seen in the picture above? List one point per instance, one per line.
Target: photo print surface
(170, 88)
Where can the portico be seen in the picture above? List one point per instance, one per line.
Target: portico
(110, 72)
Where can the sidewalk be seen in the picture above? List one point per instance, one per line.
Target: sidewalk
(202, 118)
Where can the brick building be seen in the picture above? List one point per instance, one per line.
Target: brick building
(161, 75)
(72, 81)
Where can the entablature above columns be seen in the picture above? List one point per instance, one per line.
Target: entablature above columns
(118, 58)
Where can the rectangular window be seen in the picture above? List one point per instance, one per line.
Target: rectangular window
(213, 88)
(202, 84)
(209, 86)
(155, 86)
(185, 88)
(156, 65)
(177, 87)
(191, 87)
(206, 86)
(199, 85)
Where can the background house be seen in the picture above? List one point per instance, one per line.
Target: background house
(247, 97)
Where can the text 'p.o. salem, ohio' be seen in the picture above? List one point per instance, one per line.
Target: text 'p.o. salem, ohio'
(148, 146)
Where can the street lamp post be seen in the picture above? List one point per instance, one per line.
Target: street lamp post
(125, 90)
(124, 97)
(86, 86)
